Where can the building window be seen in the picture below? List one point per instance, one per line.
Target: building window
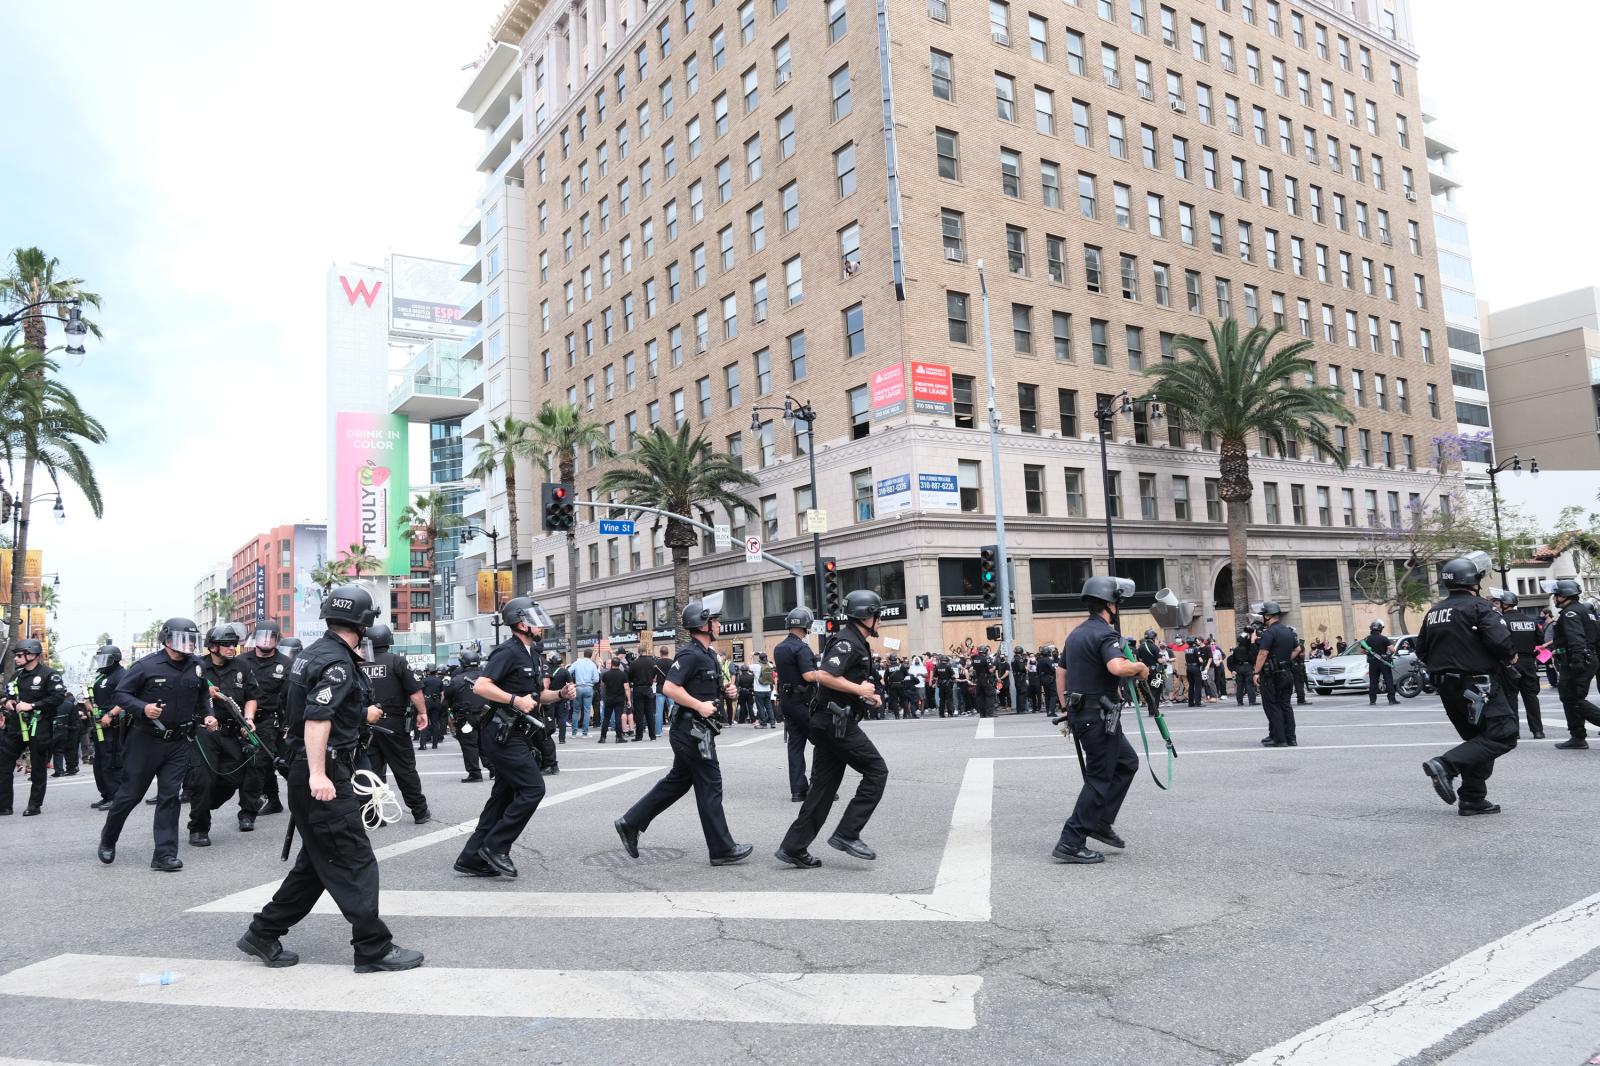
(1076, 507)
(956, 317)
(1213, 500)
(1147, 497)
(961, 394)
(860, 412)
(1028, 408)
(855, 331)
(1033, 489)
(969, 482)
(861, 494)
(1180, 499)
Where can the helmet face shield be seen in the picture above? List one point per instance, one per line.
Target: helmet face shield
(264, 638)
(1124, 588)
(1481, 560)
(712, 602)
(184, 642)
(104, 659)
(535, 615)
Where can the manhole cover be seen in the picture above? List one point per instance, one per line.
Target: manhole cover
(647, 857)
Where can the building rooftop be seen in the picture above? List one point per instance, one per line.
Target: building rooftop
(515, 20)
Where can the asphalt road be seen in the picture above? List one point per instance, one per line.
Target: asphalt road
(1268, 892)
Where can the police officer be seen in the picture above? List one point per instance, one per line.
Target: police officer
(269, 662)
(642, 683)
(693, 684)
(327, 700)
(1047, 680)
(1276, 652)
(983, 682)
(466, 710)
(514, 686)
(108, 724)
(944, 677)
(1380, 667)
(797, 677)
(1466, 645)
(290, 646)
(1243, 664)
(1087, 677)
(28, 713)
(396, 689)
(1194, 667)
(1573, 645)
(165, 698)
(433, 703)
(65, 736)
(225, 760)
(894, 686)
(1522, 677)
(849, 691)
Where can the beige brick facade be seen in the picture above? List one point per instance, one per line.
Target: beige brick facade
(911, 542)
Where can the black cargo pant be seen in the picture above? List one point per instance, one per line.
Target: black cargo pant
(1481, 743)
(644, 712)
(517, 793)
(393, 750)
(1379, 675)
(335, 856)
(146, 758)
(38, 751)
(1524, 681)
(1275, 690)
(68, 732)
(224, 763)
(270, 731)
(1244, 684)
(1572, 682)
(689, 770)
(796, 710)
(107, 758)
(830, 756)
(467, 735)
(1109, 766)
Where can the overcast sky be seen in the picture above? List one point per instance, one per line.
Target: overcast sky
(201, 164)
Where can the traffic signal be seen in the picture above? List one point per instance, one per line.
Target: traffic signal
(556, 506)
(989, 574)
(832, 599)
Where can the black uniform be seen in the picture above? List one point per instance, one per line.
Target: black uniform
(1573, 644)
(157, 749)
(393, 684)
(225, 761)
(1523, 676)
(1244, 671)
(1047, 683)
(982, 669)
(272, 679)
(612, 692)
(108, 739)
(1194, 668)
(1280, 643)
(695, 670)
(43, 688)
(66, 736)
(848, 656)
(466, 713)
(642, 677)
(944, 676)
(1380, 667)
(511, 747)
(1109, 764)
(792, 659)
(326, 684)
(433, 703)
(1465, 644)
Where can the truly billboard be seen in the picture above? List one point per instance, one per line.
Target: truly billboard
(372, 487)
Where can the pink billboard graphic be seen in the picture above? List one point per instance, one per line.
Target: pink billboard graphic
(373, 487)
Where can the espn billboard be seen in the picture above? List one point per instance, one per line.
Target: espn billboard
(425, 297)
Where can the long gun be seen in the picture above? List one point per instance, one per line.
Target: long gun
(279, 763)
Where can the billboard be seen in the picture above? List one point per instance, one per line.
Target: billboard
(930, 388)
(486, 590)
(32, 575)
(426, 298)
(889, 392)
(372, 486)
(310, 551)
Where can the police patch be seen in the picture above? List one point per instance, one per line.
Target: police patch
(335, 675)
(834, 660)
(37, 682)
(324, 696)
(277, 671)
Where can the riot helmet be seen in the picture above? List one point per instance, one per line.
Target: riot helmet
(108, 657)
(181, 635)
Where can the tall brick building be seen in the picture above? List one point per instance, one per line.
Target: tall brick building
(730, 202)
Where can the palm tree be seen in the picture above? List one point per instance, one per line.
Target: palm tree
(677, 473)
(430, 516)
(1233, 388)
(30, 279)
(43, 425)
(562, 430)
(357, 561)
(326, 575)
(506, 442)
(220, 602)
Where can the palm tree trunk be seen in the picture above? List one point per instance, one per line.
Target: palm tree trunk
(433, 597)
(569, 475)
(680, 587)
(19, 555)
(511, 515)
(1235, 490)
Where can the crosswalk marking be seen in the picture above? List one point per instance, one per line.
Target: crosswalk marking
(902, 1000)
(960, 892)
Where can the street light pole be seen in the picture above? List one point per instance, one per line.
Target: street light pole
(1001, 560)
(1105, 416)
(1514, 464)
(494, 584)
(802, 411)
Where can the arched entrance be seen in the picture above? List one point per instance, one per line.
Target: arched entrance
(1222, 589)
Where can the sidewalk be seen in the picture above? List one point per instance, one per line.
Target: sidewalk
(1562, 1031)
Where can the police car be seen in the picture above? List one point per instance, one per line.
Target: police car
(1347, 671)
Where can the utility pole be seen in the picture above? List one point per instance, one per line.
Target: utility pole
(999, 497)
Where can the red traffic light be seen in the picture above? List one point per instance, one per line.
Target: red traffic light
(559, 492)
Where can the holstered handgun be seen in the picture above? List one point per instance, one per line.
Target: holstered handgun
(704, 731)
(841, 719)
(1110, 714)
(1477, 696)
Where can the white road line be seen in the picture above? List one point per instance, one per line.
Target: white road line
(960, 892)
(36, 1062)
(904, 1000)
(1236, 751)
(1409, 1020)
(1240, 729)
(251, 899)
(766, 734)
(564, 769)
(985, 729)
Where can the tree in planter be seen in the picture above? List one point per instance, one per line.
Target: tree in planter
(429, 515)
(682, 474)
(1235, 388)
(561, 430)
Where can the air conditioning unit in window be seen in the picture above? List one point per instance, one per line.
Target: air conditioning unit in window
(1178, 106)
(955, 255)
(783, 78)
(1000, 37)
(1411, 197)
